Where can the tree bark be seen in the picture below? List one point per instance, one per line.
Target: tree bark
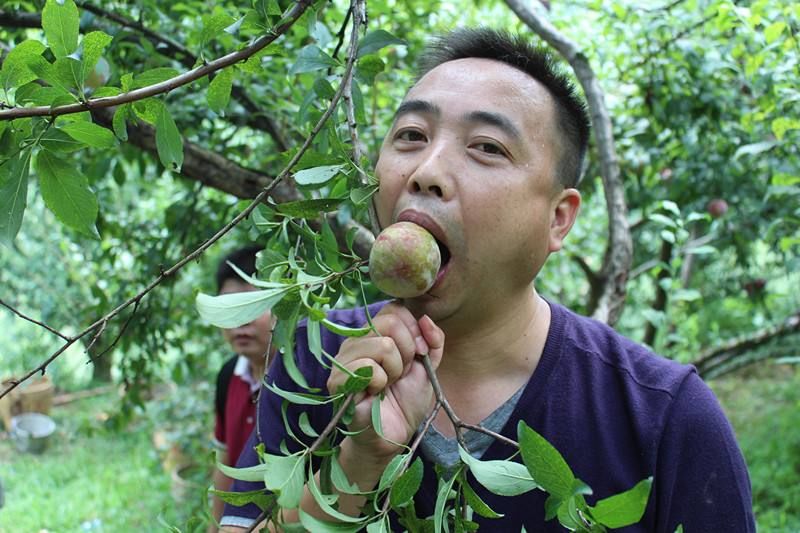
(619, 250)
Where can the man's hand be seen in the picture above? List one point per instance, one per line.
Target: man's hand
(396, 372)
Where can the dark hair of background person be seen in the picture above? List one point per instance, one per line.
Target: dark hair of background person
(244, 259)
(571, 116)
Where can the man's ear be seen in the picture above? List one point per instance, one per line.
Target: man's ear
(563, 211)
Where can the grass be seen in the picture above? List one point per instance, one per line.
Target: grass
(94, 478)
(763, 404)
(91, 478)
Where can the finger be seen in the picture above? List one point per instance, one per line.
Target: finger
(377, 352)
(379, 379)
(403, 331)
(434, 337)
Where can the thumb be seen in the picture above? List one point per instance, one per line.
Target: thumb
(434, 337)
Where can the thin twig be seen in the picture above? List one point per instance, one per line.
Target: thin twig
(441, 398)
(165, 86)
(37, 322)
(358, 20)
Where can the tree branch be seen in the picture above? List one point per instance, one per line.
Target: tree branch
(357, 12)
(619, 250)
(203, 247)
(165, 86)
(718, 355)
(38, 323)
(14, 19)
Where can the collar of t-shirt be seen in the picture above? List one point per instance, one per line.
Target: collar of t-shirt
(244, 371)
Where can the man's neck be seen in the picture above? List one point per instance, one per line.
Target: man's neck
(497, 344)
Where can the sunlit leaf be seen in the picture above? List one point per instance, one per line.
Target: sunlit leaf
(238, 308)
(90, 134)
(60, 21)
(545, 464)
(506, 478)
(625, 508)
(375, 40)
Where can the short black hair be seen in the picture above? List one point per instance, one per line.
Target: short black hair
(245, 260)
(572, 118)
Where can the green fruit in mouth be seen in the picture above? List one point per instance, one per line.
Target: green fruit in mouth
(404, 260)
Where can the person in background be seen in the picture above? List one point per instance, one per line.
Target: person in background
(239, 379)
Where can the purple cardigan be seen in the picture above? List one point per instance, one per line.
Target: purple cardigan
(616, 412)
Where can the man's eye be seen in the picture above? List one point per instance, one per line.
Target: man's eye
(490, 148)
(411, 136)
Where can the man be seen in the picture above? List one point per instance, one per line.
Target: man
(485, 152)
(239, 379)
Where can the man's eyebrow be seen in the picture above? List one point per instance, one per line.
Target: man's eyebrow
(494, 119)
(417, 106)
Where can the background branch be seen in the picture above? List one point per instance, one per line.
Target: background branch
(619, 250)
(165, 86)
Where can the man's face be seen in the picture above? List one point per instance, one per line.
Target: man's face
(471, 157)
(252, 339)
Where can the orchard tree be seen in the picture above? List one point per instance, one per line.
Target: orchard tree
(144, 134)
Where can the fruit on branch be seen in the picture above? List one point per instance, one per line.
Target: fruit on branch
(98, 76)
(404, 260)
(717, 207)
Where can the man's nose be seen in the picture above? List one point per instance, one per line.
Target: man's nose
(434, 174)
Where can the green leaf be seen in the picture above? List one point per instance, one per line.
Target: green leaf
(66, 73)
(309, 208)
(250, 473)
(60, 20)
(345, 330)
(168, 141)
(783, 124)
(219, 90)
(310, 59)
(375, 40)
(261, 498)
(215, 24)
(773, 31)
(300, 398)
(13, 195)
(442, 495)
(235, 309)
(325, 502)
(407, 485)
(476, 503)
(66, 193)
(286, 476)
(305, 425)
(375, 411)
(317, 175)
(547, 467)
(90, 134)
(153, 76)
(506, 478)
(339, 478)
(358, 382)
(381, 526)
(55, 140)
(321, 526)
(625, 508)
(15, 71)
(368, 67)
(362, 194)
(93, 45)
(119, 122)
(754, 149)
